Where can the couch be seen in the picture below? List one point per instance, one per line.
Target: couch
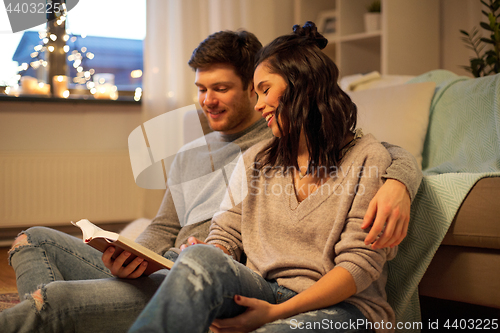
(452, 250)
(451, 125)
(466, 266)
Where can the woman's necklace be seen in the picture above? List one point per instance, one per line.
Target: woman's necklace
(298, 189)
(312, 181)
(301, 175)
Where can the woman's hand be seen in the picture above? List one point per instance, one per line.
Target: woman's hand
(334, 287)
(194, 241)
(132, 271)
(390, 207)
(257, 314)
(191, 241)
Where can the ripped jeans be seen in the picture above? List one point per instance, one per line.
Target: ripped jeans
(201, 286)
(51, 255)
(77, 293)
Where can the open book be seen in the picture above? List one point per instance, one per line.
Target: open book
(102, 239)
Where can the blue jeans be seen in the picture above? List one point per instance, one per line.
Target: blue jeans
(79, 293)
(201, 286)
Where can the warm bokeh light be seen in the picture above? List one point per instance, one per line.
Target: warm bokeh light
(136, 74)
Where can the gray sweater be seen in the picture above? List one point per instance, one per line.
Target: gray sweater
(187, 209)
(296, 243)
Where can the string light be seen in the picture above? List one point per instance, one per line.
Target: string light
(137, 94)
(136, 74)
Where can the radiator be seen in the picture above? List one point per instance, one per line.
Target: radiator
(56, 188)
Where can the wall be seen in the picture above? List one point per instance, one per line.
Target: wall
(64, 161)
(457, 15)
(66, 126)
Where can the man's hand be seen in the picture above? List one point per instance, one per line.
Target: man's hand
(132, 271)
(257, 314)
(390, 207)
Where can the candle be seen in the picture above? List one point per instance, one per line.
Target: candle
(105, 91)
(60, 83)
(31, 86)
(43, 89)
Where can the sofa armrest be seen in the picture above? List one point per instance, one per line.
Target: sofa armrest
(476, 222)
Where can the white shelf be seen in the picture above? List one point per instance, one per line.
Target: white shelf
(332, 38)
(407, 44)
(361, 36)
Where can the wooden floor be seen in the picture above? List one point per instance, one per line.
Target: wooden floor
(7, 275)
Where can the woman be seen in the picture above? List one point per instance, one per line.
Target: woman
(304, 264)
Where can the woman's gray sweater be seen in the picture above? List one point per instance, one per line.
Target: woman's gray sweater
(298, 243)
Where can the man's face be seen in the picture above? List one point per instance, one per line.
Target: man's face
(228, 108)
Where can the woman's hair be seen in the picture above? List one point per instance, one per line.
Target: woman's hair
(312, 100)
(236, 48)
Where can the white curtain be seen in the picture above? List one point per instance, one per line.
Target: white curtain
(174, 30)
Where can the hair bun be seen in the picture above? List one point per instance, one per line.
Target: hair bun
(310, 31)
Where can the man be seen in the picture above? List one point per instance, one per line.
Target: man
(72, 286)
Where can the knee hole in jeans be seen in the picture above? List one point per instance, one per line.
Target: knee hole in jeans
(21, 240)
(38, 298)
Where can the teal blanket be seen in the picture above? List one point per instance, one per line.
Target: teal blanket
(462, 146)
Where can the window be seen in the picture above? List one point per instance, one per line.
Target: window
(103, 44)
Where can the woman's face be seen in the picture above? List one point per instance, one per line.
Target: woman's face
(269, 88)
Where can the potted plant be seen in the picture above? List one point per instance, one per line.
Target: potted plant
(373, 17)
(487, 50)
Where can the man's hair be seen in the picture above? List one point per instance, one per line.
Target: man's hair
(312, 101)
(235, 48)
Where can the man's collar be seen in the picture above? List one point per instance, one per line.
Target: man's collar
(235, 136)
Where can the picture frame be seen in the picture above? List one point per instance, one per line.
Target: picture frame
(327, 23)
